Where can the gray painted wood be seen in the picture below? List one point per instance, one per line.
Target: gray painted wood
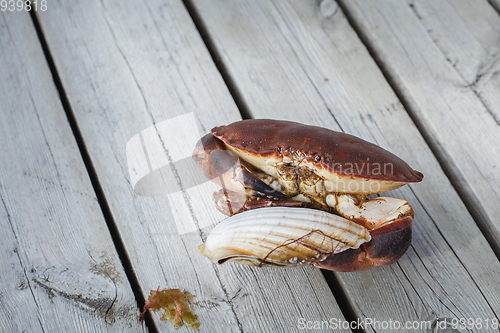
(59, 268)
(452, 88)
(125, 67)
(301, 60)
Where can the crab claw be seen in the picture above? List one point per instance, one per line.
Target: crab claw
(387, 245)
(225, 168)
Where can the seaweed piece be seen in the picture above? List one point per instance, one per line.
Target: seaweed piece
(176, 305)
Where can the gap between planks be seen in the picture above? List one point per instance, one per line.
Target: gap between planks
(217, 59)
(94, 179)
(496, 5)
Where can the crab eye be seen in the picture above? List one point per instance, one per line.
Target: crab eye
(317, 158)
(279, 150)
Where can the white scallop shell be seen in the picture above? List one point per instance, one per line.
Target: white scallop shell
(282, 236)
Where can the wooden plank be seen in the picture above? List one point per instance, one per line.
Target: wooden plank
(452, 87)
(301, 61)
(125, 67)
(59, 269)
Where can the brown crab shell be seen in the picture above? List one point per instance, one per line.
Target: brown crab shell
(336, 156)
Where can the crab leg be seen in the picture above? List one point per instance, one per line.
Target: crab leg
(226, 169)
(230, 203)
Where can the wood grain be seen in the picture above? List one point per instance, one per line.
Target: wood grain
(127, 66)
(302, 61)
(59, 269)
(452, 88)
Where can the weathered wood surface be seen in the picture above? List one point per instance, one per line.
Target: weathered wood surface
(126, 66)
(59, 271)
(301, 60)
(129, 65)
(445, 58)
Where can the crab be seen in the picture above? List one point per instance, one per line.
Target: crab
(284, 169)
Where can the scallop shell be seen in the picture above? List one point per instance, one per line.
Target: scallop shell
(282, 236)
